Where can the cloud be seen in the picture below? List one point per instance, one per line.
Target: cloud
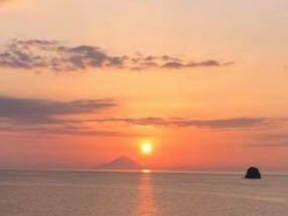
(54, 56)
(56, 118)
(207, 63)
(40, 54)
(41, 111)
(229, 123)
(51, 117)
(42, 116)
(65, 130)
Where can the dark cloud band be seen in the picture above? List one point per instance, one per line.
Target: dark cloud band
(52, 55)
(50, 117)
(41, 111)
(229, 123)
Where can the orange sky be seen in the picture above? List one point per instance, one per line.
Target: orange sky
(83, 82)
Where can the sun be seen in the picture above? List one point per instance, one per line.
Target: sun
(146, 148)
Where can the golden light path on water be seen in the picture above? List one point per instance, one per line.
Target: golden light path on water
(146, 195)
(145, 171)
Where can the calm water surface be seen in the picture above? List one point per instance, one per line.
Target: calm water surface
(43, 193)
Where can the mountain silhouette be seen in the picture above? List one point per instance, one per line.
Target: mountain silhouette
(121, 163)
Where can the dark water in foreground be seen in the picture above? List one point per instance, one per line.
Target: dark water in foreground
(34, 193)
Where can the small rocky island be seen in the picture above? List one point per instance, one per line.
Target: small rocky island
(253, 173)
(121, 163)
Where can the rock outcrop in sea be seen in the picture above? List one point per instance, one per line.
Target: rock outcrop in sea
(253, 173)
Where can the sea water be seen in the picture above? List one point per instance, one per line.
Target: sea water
(67, 193)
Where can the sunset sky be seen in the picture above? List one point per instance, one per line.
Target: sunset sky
(86, 81)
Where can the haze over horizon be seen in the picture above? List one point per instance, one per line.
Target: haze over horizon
(167, 83)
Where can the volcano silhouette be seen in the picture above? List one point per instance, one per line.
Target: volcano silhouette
(121, 163)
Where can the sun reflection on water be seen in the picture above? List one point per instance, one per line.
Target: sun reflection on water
(146, 199)
(146, 171)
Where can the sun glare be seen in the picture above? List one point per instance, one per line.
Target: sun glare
(146, 148)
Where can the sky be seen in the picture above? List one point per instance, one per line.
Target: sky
(84, 82)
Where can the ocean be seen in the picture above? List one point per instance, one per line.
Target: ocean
(90, 193)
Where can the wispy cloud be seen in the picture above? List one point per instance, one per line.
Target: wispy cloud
(41, 111)
(229, 123)
(54, 56)
(42, 116)
(207, 63)
(65, 130)
(50, 117)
